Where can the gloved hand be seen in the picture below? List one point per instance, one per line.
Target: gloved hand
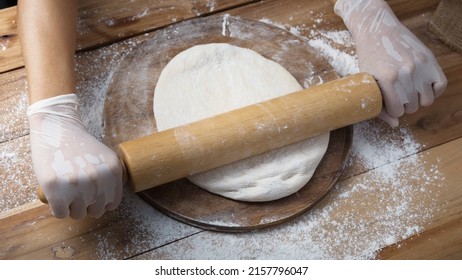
(405, 69)
(78, 174)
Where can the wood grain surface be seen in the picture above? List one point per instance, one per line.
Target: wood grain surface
(136, 230)
(103, 22)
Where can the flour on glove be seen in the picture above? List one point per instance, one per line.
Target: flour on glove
(79, 175)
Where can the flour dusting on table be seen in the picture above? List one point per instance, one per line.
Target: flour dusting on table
(359, 216)
(337, 47)
(362, 214)
(143, 226)
(16, 186)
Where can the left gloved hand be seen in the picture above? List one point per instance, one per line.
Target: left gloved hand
(79, 175)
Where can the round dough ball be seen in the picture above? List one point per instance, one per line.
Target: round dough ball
(207, 80)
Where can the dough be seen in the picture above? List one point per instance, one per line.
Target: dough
(206, 80)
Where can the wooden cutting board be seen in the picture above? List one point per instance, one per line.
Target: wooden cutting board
(128, 114)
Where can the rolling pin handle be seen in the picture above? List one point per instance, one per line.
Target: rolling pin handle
(222, 139)
(41, 195)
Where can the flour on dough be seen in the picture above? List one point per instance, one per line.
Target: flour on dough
(207, 80)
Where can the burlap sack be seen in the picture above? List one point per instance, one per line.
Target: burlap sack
(446, 23)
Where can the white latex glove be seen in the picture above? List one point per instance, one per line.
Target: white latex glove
(405, 69)
(78, 174)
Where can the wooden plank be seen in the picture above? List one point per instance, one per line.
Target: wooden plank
(94, 76)
(320, 13)
(406, 9)
(452, 62)
(10, 51)
(441, 242)
(111, 235)
(430, 126)
(104, 21)
(128, 231)
(13, 106)
(360, 211)
(363, 214)
(426, 121)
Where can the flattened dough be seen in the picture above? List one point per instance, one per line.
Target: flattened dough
(207, 80)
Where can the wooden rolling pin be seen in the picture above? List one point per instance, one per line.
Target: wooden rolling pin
(209, 143)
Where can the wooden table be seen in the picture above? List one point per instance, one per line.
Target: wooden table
(400, 196)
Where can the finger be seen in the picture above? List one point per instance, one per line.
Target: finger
(413, 105)
(78, 209)
(411, 108)
(391, 99)
(59, 208)
(439, 87)
(113, 184)
(393, 122)
(97, 209)
(426, 95)
(117, 199)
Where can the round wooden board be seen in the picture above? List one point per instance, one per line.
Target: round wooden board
(128, 114)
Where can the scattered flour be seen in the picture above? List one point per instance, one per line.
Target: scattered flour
(93, 83)
(3, 46)
(280, 25)
(388, 206)
(16, 187)
(397, 207)
(212, 5)
(390, 202)
(373, 149)
(337, 47)
(358, 217)
(343, 63)
(13, 122)
(142, 227)
(225, 24)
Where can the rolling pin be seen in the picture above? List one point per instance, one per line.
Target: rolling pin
(196, 147)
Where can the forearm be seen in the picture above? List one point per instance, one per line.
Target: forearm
(47, 31)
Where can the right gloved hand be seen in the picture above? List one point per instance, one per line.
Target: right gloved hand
(78, 174)
(405, 69)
